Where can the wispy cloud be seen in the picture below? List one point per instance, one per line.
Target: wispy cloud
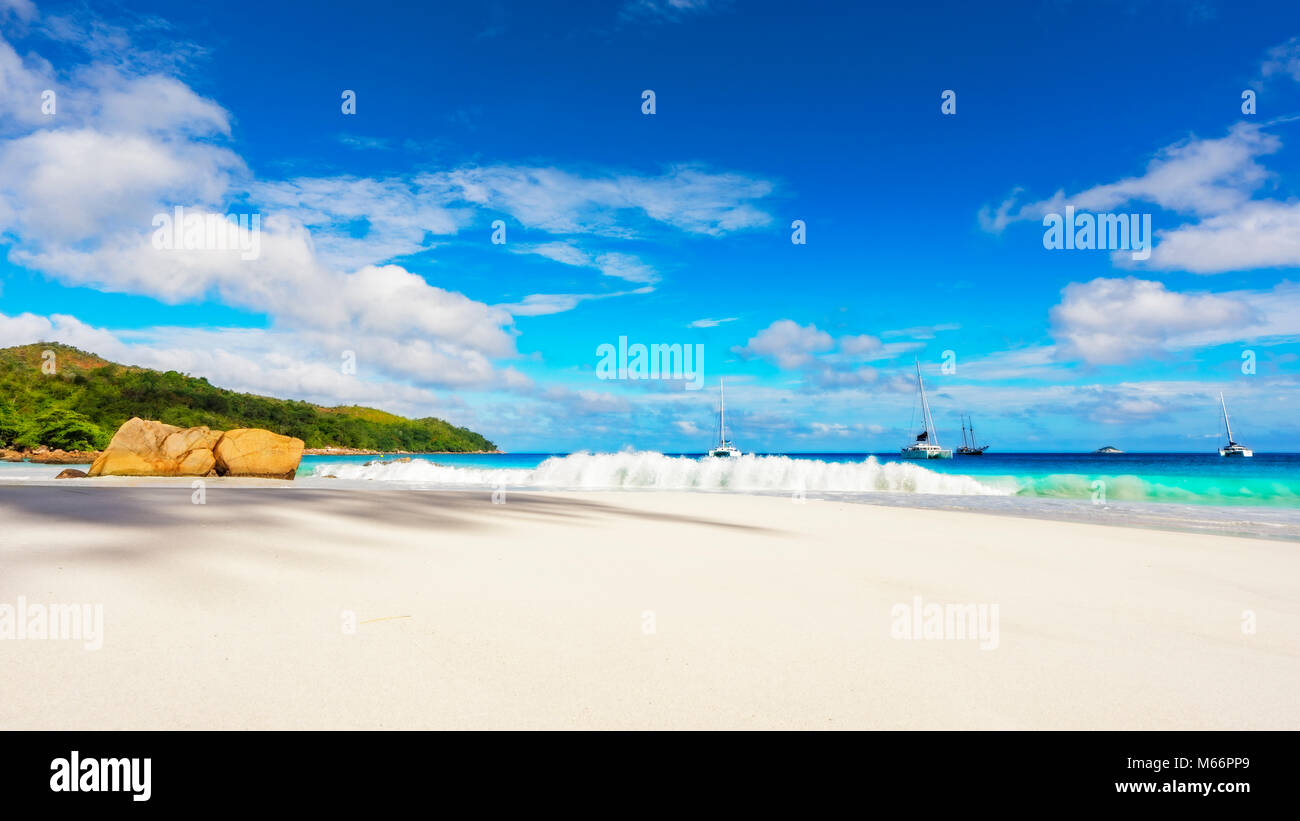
(546, 304)
(670, 10)
(1283, 60)
(610, 263)
(689, 198)
(1203, 177)
(711, 323)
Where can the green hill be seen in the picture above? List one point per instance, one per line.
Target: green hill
(87, 398)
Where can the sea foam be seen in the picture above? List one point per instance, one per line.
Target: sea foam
(651, 470)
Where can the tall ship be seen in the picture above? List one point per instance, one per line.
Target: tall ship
(968, 446)
(1232, 448)
(724, 449)
(926, 445)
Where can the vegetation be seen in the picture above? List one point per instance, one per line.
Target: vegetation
(86, 399)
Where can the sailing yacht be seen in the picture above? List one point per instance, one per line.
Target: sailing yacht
(723, 449)
(969, 448)
(926, 445)
(1232, 448)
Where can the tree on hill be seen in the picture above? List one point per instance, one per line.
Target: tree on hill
(88, 398)
(63, 429)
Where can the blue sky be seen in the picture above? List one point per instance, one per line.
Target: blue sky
(924, 230)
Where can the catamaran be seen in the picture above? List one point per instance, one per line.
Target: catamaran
(969, 448)
(1232, 448)
(926, 445)
(723, 449)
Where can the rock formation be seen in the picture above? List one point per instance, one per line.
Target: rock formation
(144, 448)
(257, 452)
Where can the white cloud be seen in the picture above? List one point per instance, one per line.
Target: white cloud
(357, 221)
(1261, 234)
(711, 323)
(545, 304)
(243, 359)
(1109, 321)
(861, 344)
(787, 343)
(79, 191)
(611, 264)
(22, 10)
(79, 195)
(1283, 59)
(1197, 176)
(686, 197)
(666, 9)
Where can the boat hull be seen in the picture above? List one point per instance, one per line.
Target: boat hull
(918, 453)
(1240, 453)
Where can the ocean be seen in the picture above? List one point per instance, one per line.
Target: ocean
(1267, 480)
(1270, 480)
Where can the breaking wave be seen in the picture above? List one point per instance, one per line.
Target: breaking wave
(651, 470)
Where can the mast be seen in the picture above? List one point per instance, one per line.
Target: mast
(1226, 423)
(722, 418)
(972, 432)
(925, 408)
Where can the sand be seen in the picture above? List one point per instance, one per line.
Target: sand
(296, 608)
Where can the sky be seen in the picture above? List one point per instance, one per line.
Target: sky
(377, 281)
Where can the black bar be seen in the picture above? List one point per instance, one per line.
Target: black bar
(332, 770)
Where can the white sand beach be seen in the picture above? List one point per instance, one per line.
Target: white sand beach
(309, 608)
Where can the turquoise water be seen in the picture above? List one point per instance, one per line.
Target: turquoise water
(1269, 480)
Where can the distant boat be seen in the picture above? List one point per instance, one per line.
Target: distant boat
(968, 447)
(723, 449)
(926, 445)
(1232, 448)
(1108, 449)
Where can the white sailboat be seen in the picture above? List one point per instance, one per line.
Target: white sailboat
(1232, 448)
(927, 444)
(723, 449)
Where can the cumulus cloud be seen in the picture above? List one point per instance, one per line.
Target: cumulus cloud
(787, 343)
(79, 194)
(1109, 321)
(1260, 234)
(861, 344)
